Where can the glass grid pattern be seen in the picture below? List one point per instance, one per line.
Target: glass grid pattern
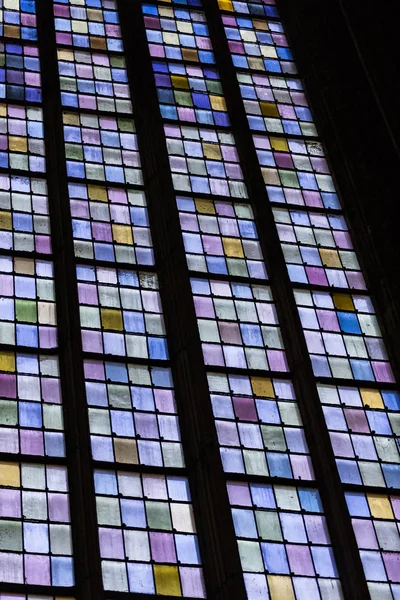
(376, 522)
(204, 161)
(101, 148)
(259, 426)
(276, 104)
(177, 33)
(238, 325)
(220, 238)
(27, 303)
(148, 540)
(93, 81)
(283, 542)
(35, 534)
(190, 94)
(18, 19)
(364, 425)
(19, 72)
(31, 420)
(24, 214)
(21, 138)
(110, 224)
(258, 45)
(132, 414)
(257, 8)
(89, 24)
(318, 249)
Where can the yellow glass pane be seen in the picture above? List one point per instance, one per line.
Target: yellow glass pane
(9, 474)
(98, 43)
(269, 109)
(7, 362)
(167, 580)
(11, 31)
(111, 319)
(380, 506)
(97, 193)
(343, 302)
(188, 54)
(18, 144)
(126, 451)
(3, 110)
(256, 63)
(212, 151)
(372, 397)
(262, 387)
(233, 247)
(279, 144)
(225, 5)
(5, 221)
(64, 54)
(330, 258)
(70, 119)
(24, 266)
(205, 206)
(218, 103)
(180, 82)
(270, 176)
(263, 25)
(94, 15)
(280, 587)
(122, 234)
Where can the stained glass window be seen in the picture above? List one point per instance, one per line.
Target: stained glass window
(132, 414)
(204, 161)
(364, 425)
(177, 33)
(21, 138)
(258, 8)
(101, 148)
(259, 426)
(375, 522)
(95, 81)
(27, 303)
(18, 19)
(148, 540)
(238, 325)
(318, 249)
(190, 93)
(93, 24)
(110, 224)
(276, 104)
(24, 214)
(220, 238)
(35, 533)
(31, 420)
(19, 72)
(283, 541)
(258, 45)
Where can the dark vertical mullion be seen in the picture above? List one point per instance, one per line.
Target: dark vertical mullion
(80, 475)
(327, 477)
(219, 553)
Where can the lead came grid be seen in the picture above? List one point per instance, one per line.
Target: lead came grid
(257, 418)
(342, 333)
(35, 535)
(24, 214)
(283, 541)
(220, 238)
(133, 418)
(35, 532)
(148, 540)
(132, 414)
